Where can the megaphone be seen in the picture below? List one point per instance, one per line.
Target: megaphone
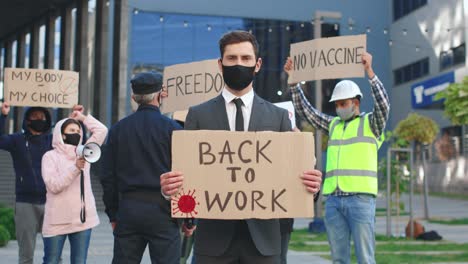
(91, 152)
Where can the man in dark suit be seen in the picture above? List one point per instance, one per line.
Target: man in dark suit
(238, 108)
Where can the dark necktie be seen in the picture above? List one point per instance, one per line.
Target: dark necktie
(239, 116)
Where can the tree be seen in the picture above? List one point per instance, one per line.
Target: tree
(420, 130)
(456, 102)
(417, 128)
(399, 179)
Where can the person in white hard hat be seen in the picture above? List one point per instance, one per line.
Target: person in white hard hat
(351, 171)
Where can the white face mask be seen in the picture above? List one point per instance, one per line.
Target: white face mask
(346, 113)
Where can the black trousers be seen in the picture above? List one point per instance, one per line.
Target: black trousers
(142, 223)
(242, 250)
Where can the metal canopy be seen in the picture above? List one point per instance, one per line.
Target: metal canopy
(17, 15)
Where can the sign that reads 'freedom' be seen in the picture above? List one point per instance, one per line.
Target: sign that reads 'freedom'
(327, 58)
(47, 88)
(241, 175)
(190, 84)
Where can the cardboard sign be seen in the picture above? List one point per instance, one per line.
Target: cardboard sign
(191, 84)
(180, 115)
(35, 87)
(241, 175)
(327, 58)
(288, 105)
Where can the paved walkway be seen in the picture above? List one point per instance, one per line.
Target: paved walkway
(100, 250)
(101, 246)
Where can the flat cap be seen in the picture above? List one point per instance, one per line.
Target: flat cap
(147, 82)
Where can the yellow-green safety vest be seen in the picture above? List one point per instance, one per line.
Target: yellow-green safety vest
(352, 157)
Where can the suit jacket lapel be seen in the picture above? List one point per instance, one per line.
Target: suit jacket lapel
(257, 113)
(220, 113)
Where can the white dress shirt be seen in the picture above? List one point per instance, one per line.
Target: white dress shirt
(247, 100)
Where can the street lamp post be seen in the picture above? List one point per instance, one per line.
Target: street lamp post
(319, 15)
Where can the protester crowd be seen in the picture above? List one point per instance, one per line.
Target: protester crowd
(53, 187)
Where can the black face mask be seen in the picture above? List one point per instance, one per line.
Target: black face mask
(72, 139)
(238, 77)
(39, 125)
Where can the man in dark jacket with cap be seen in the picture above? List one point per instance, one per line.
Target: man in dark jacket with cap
(138, 150)
(26, 149)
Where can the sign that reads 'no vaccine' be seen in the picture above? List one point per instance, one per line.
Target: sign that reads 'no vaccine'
(327, 58)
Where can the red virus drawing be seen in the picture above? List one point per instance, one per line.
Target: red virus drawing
(185, 203)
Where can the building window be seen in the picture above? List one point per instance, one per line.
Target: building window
(459, 54)
(404, 7)
(452, 57)
(163, 39)
(411, 72)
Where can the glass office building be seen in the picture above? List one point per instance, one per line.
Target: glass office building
(162, 39)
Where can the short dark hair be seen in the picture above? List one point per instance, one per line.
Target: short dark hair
(235, 37)
(69, 122)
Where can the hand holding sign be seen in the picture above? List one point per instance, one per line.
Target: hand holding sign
(77, 115)
(5, 108)
(171, 182)
(288, 68)
(188, 231)
(312, 180)
(79, 108)
(367, 62)
(164, 92)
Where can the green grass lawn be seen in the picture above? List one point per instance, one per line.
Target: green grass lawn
(397, 246)
(413, 259)
(302, 235)
(459, 221)
(447, 195)
(301, 238)
(383, 212)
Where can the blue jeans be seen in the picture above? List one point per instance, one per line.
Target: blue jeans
(349, 217)
(79, 243)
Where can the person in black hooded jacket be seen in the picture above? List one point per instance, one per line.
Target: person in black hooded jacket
(26, 149)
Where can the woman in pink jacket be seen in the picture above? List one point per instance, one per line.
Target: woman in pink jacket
(61, 171)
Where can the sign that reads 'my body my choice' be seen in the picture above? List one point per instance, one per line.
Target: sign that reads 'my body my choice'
(240, 175)
(35, 87)
(190, 84)
(327, 58)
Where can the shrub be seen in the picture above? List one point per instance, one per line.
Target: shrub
(7, 219)
(4, 236)
(419, 128)
(456, 102)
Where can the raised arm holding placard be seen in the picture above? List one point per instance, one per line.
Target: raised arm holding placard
(351, 173)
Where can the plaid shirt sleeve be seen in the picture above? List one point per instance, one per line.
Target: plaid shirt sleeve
(307, 111)
(381, 110)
